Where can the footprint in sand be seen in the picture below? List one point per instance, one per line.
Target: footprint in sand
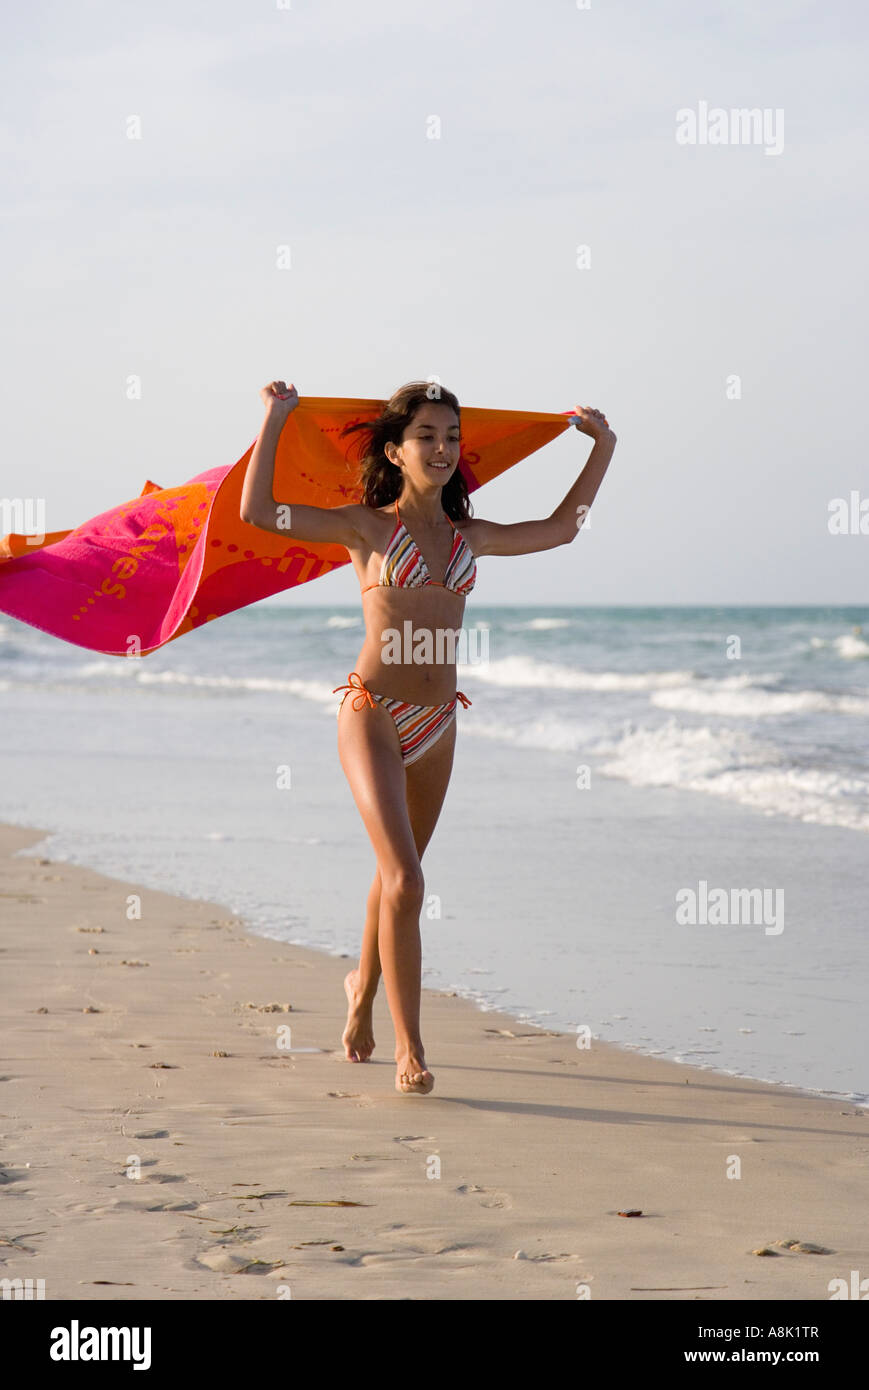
(485, 1196)
(373, 1158)
(543, 1257)
(143, 1204)
(804, 1247)
(417, 1142)
(223, 1261)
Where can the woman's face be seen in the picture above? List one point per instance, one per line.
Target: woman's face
(431, 443)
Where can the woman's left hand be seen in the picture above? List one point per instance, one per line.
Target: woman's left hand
(593, 422)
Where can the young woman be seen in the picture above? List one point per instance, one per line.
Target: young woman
(396, 721)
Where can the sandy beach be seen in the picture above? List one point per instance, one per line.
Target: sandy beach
(161, 1140)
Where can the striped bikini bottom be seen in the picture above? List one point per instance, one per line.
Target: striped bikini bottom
(419, 726)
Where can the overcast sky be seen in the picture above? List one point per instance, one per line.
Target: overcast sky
(720, 320)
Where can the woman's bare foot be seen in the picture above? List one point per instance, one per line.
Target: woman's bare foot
(358, 1036)
(413, 1077)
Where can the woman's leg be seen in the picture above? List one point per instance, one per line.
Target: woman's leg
(426, 785)
(370, 755)
(360, 985)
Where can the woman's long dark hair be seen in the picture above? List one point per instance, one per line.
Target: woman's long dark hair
(381, 480)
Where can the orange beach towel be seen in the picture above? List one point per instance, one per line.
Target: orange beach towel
(149, 570)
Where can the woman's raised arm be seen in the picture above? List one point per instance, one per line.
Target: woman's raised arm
(525, 537)
(259, 507)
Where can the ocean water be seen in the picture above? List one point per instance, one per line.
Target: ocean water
(613, 760)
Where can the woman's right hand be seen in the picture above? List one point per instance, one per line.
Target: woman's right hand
(280, 400)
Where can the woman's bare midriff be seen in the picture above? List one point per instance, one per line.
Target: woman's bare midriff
(428, 610)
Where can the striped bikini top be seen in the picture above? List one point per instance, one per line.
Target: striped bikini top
(403, 566)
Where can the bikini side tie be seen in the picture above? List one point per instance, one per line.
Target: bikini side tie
(362, 692)
(464, 699)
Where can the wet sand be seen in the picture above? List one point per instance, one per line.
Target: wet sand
(164, 1137)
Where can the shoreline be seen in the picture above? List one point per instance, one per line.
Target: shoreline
(563, 917)
(507, 1187)
(471, 997)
